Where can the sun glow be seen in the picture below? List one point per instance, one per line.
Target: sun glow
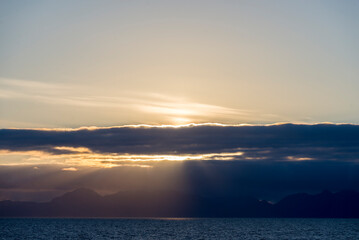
(180, 120)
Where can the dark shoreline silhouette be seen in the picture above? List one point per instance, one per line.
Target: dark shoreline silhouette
(87, 203)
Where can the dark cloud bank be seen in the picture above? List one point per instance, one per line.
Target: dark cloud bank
(267, 169)
(319, 141)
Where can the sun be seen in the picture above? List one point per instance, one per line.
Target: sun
(180, 120)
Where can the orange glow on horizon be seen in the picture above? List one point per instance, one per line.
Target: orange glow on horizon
(85, 157)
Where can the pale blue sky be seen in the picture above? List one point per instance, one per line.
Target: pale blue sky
(79, 63)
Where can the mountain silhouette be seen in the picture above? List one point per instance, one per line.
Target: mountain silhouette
(344, 204)
(87, 203)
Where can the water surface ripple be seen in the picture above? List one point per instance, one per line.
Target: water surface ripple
(226, 228)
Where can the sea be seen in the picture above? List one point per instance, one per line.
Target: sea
(178, 228)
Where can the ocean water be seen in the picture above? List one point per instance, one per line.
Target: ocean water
(226, 228)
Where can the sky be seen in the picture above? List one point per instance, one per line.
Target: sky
(105, 63)
(181, 92)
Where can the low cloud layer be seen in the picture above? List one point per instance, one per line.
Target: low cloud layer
(263, 161)
(281, 142)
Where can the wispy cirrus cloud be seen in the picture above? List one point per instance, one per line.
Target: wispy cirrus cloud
(154, 107)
